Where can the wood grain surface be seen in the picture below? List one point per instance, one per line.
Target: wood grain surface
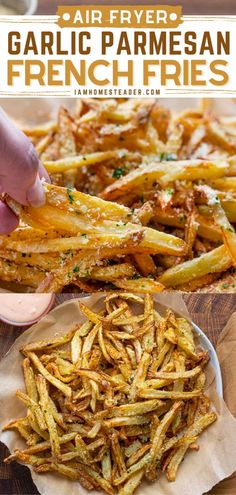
(200, 7)
(209, 311)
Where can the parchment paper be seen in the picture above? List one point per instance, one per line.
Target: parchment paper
(215, 460)
(226, 351)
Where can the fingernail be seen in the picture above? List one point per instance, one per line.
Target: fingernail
(36, 196)
(43, 173)
(8, 219)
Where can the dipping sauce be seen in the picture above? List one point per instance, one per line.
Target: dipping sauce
(4, 10)
(22, 309)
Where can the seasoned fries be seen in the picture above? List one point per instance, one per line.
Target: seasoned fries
(110, 412)
(141, 200)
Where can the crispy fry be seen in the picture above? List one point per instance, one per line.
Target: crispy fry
(47, 412)
(147, 393)
(61, 386)
(198, 426)
(217, 260)
(160, 434)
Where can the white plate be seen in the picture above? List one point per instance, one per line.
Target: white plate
(57, 322)
(207, 345)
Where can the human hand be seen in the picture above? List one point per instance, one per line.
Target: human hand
(20, 172)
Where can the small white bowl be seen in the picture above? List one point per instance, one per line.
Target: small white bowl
(34, 320)
(21, 7)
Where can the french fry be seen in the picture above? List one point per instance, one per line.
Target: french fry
(214, 261)
(74, 162)
(29, 378)
(61, 386)
(34, 407)
(131, 485)
(148, 393)
(160, 434)
(47, 412)
(198, 426)
(144, 285)
(176, 375)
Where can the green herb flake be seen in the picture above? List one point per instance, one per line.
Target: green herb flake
(167, 157)
(76, 269)
(170, 191)
(70, 195)
(118, 172)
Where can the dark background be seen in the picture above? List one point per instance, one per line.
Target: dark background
(200, 7)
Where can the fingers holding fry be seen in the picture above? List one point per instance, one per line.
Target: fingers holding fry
(125, 182)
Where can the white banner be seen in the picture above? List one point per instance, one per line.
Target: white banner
(39, 58)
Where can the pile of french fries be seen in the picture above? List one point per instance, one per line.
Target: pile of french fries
(117, 400)
(141, 199)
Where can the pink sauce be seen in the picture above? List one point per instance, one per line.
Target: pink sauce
(23, 308)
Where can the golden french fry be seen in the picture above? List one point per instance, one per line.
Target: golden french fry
(47, 412)
(217, 260)
(148, 393)
(54, 381)
(198, 426)
(74, 162)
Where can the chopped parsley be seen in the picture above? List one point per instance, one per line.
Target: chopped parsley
(76, 269)
(70, 195)
(118, 172)
(136, 276)
(168, 157)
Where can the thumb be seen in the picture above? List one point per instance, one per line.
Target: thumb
(35, 195)
(8, 220)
